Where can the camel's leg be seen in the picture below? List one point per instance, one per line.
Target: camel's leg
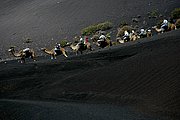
(77, 52)
(33, 56)
(110, 43)
(90, 48)
(52, 57)
(175, 28)
(64, 53)
(22, 60)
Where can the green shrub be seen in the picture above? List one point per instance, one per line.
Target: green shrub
(123, 23)
(175, 14)
(63, 43)
(153, 14)
(178, 23)
(121, 30)
(93, 28)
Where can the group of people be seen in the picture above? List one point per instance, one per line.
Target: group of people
(102, 38)
(82, 41)
(144, 32)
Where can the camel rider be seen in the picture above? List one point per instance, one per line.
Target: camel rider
(126, 36)
(142, 33)
(149, 33)
(26, 51)
(86, 40)
(57, 48)
(81, 42)
(132, 33)
(102, 38)
(164, 25)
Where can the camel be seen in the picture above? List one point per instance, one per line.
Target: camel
(119, 40)
(80, 47)
(171, 26)
(134, 36)
(104, 44)
(53, 54)
(22, 54)
(95, 38)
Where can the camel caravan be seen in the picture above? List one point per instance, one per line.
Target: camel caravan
(100, 38)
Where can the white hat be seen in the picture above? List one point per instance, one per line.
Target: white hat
(165, 21)
(142, 30)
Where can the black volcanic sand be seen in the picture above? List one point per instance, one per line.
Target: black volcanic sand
(136, 80)
(47, 22)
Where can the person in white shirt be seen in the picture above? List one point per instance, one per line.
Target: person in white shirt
(164, 25)
(143, 33)
(126, 36)
(57, 48)
(102, 38)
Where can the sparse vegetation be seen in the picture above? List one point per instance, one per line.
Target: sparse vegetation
(123, 23)
(122, 29)
(27, 40)
(175, 14)
(93, 28)
(153, 14)
(63, 43)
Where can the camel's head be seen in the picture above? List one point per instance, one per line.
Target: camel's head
(68, 43)
(11, 49)
(154, 27)
(43, 49)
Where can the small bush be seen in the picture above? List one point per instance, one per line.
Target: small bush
(175, 14)
(178, 23)
(93, 28)
(121, 30)
(153, 14)
(63, 43)
(123, 23)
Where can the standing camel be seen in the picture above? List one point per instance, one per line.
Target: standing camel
(80, 47)
(171, 26)
(53, 54)
(22, 54)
